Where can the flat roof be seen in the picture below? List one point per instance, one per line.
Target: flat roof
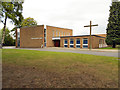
(82, 36)
(45, 27)
(55, 38)
(32, 26)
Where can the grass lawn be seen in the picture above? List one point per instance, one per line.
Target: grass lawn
(117, 47)
(44, 69)
(108, 48)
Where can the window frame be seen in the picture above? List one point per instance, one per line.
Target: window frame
(65, 43)
(72, 43)
(77, 44)
(85, 44)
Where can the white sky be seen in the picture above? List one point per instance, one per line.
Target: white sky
(73, 14)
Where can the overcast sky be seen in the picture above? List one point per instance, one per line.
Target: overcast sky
(73, 14)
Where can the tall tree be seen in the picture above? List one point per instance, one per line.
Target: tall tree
(113, 27)
(12, 11)
(9, 41)
(29, 22)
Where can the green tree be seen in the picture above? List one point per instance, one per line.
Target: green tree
(29, 22)
(12, 11)
(113, 27)
(0, 35)
(9, 41)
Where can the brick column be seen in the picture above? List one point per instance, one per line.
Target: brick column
(81, 42)
(68, 42)
(74, 42)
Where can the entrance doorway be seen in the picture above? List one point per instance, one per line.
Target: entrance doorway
(57, 43)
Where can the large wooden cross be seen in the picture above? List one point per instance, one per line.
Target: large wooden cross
(90, 44)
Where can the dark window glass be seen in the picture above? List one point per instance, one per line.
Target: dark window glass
(71, 46)
(45, 44)
(85, 41)
(44, 35)
(45, 40)
(77, 46)
(65, 42)
(78, 41)
(71, 41)
(85, 46)
(65, 45)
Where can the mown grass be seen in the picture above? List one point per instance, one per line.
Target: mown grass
(31, 56)
(102, 66)
(117, 47)
(109, 48)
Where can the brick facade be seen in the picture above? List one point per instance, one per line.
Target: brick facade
(32, 37)
(56, 32)
(95, 40)
(38, 36)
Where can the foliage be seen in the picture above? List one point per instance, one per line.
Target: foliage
(0, 35)
(9, 41)
(28, 22)
(13, 11)
(113, 27)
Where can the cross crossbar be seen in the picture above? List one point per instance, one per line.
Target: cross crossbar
(91, 25)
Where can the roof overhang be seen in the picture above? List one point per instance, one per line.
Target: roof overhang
(56, 38)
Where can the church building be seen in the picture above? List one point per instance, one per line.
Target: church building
(40, 37)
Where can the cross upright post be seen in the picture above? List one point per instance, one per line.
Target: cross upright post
(90, 44)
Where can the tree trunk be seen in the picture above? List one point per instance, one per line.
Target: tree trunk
(114, 45)
(3, 34)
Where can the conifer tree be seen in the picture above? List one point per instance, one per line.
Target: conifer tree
(113, 27)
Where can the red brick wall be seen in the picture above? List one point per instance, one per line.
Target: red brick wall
(51, 29)
(27, 33)
(95, 41)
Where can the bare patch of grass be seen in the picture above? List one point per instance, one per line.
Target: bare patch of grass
(41, 69)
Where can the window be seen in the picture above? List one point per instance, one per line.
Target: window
(71, 43)
(101, 41)
(45, 41)
(44, 35)
(85, 46)
(44, 31)
(85, 43)
(45, 44)
(18, 39)
(77, 43)
(77, 46)
(65, 43)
